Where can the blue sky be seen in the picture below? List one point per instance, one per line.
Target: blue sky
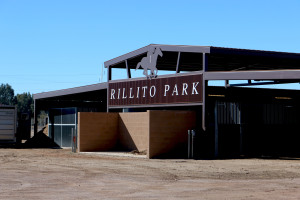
(48, 45)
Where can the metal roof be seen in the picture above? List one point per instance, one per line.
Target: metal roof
(6, 106)
(76, 90)
(222, 64)
(216, 51)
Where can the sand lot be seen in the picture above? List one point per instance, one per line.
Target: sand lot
(60, 174)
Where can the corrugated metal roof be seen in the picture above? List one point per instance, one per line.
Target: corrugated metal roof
(87, 88)
(199, 49)
(6, 106)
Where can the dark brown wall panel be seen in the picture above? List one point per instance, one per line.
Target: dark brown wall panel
(168, 90)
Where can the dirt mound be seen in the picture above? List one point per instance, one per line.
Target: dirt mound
(137, 152)
(40, 140)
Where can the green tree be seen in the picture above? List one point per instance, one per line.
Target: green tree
(25, 103)
(7, 94)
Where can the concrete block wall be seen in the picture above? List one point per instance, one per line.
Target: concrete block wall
(134, 131)
(97, 131)
(168, 131)
(157, 132)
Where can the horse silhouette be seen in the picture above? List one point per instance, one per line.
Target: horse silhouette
(149, 62)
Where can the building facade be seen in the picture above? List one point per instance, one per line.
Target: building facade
(165, 93)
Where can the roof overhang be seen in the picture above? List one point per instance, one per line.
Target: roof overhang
(76, 90)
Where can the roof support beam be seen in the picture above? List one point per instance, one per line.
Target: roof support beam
(127, 69)
(204, 62)
(177, 65)
(253, 75)
(108, 73)
(204, 84)
(264, 83)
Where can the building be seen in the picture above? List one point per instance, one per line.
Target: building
(153, 113)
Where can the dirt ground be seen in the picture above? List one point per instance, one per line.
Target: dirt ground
(60, 174)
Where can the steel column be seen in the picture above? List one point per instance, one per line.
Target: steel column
(226, 83)
(204, 83)
(216, 130)
(107, 93)
(128, 70)
(108, 73)
(177, 65)
(241, 140)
